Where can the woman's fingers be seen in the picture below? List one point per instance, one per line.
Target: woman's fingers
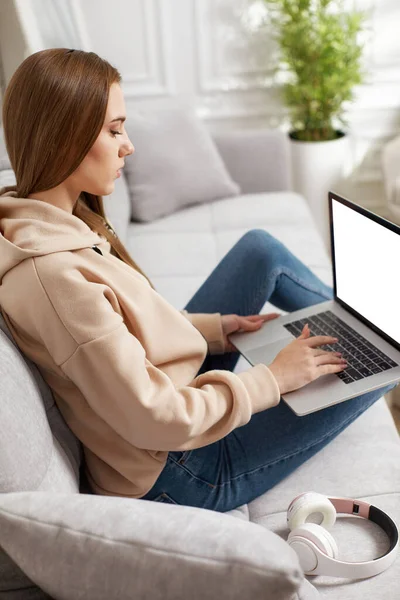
(329, 369)
(320, 352)
(329, 359)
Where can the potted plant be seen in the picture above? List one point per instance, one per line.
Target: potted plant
(321, 63)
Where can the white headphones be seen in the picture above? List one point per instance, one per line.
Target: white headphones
(315, 546)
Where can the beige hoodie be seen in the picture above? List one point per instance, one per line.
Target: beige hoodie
(120, 360)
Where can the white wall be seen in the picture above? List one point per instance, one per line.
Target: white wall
(12, 45)
(375, 116)
(201, 53)
(195, 51)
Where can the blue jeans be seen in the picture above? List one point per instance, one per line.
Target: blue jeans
(255, 457)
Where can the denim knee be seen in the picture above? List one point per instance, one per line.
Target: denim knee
(262, 247)
(257, 236)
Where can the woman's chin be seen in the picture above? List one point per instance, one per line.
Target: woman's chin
(109, 191)
(104, 191)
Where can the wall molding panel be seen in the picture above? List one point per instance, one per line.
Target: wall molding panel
(136, 38)
(218, 32)
(157, 78)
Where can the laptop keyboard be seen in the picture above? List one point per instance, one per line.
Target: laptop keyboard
(363, 358)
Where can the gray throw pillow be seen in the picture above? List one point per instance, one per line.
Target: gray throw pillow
(87, 547)
(4, 160)
(175, 164)
(7, 176)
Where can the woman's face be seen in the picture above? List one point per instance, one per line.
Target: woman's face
(99, 169)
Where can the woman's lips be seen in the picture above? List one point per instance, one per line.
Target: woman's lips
(119, 173)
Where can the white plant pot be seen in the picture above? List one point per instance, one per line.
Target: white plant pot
(317, 167)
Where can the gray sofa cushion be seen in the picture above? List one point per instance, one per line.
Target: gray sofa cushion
(270, 156)
(175, 164)
(7, 176)
(37, 449)
(4, 160)
(117, 207)
(106, 548)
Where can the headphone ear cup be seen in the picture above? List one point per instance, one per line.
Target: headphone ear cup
(316, 534)
(305, 505)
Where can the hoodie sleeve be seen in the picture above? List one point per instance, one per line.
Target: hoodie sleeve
(210, 327)
(143, 406)
(108, 364)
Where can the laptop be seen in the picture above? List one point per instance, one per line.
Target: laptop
(364, 314)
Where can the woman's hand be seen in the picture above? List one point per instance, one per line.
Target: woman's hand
(301, 361)
(234, 323)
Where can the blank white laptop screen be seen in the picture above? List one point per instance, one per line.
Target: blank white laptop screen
(367, 260)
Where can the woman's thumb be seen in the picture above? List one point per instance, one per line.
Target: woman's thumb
(252, 325)
(257, 324)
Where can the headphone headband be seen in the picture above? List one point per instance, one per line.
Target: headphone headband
(360, 508)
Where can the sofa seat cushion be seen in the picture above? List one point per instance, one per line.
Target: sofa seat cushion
(178, 252)
(353, 464)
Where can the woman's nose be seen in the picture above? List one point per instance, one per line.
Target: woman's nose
(127, 149)
(131, 148)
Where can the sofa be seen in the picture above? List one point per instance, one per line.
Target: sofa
(57, 540)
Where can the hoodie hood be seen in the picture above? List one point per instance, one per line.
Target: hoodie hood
(31, 227)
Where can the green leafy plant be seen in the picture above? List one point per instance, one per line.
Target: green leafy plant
(321, 56)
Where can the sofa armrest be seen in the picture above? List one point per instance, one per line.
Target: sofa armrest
(258, 160)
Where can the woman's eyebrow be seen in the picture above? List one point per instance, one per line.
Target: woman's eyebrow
(122, 119)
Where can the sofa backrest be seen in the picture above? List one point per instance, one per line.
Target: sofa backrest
(38, 452)
(257, 159)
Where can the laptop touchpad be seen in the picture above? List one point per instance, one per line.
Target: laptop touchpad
(266, 354)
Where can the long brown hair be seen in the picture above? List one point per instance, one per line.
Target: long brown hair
(53, 110)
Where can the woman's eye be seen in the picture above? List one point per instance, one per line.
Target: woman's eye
(114, 133)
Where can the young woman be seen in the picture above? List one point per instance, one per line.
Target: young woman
(149, 390)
